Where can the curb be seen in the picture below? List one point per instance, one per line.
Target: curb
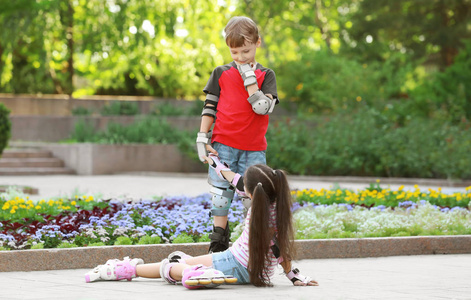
(89, 257)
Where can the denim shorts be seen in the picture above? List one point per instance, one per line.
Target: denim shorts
(228, 264)
(238, 161)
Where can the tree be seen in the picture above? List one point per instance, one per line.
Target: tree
(430, 29)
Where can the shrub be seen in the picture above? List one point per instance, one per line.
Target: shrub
(5, 127)
(97, 244)
(447, 94)
(123, 240)
(64, 245)
(81, 111)
(366, 144)
(149, 240)
(182, 239)
(322, 81)
(38, 246)
(120, 108)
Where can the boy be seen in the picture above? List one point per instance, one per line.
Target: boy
(239, 97)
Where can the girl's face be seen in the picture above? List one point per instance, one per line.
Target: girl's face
(245, 54)
(247, 192)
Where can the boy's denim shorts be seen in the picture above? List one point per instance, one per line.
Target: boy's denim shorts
(238, 161)
(228, 264)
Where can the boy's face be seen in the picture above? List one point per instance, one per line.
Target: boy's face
(246, 53)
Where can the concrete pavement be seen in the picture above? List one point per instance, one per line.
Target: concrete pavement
(148, 185)
(399, 277)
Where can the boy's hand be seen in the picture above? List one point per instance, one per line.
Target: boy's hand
(248, 75)
(203, 145)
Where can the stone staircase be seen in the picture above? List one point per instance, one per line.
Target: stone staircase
(31, 161)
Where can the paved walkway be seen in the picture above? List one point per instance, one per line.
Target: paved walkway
(148, 185)
(402, 277)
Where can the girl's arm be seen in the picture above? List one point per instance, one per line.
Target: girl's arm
(223, 171)
(295, 276)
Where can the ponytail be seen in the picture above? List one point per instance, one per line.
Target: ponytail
(259, 237)
(267, 187)
(284, 217)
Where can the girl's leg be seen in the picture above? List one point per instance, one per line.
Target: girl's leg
(153, 270)
(177, 270)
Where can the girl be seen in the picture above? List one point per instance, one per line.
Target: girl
(267, 240)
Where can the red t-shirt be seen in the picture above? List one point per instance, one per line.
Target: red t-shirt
(237, 125)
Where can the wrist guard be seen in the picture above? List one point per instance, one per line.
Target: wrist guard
(294, 276)
(202, 139)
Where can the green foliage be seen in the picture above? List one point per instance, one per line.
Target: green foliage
(148, 130)
(205, 238)
(5, 127)
(120, 108)
(321, 81)
(81, 111)
(97, 244)
(65, 245)
(149, 240)
(169, 109)
(183, 238)
(51, 241)
(447, 95)
(38, 246)
(367, 144)
(123, 240)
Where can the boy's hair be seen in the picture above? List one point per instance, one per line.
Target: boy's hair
(240, 30)
(268, 186)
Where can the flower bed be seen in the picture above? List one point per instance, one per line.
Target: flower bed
(84, 221)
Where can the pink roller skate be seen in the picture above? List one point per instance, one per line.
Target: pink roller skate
(115, 269)
(202, 277)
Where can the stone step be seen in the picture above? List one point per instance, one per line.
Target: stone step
(25, 153)
(35, 171)
(41, 162)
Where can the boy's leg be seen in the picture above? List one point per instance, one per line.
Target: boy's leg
(222, 195)
(247, 159)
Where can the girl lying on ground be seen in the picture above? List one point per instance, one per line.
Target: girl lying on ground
(267, 240)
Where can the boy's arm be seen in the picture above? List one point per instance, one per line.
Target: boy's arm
(262, 104)
(203, 140)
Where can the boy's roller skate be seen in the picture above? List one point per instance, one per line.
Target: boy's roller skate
(115, 269)
(205, 277)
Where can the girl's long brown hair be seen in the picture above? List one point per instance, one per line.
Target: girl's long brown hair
(268, 186)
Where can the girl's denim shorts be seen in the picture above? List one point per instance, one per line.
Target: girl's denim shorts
(228, 264)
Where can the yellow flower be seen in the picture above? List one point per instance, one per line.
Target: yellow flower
(38, 207)
(12, 211)
(73, 203)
